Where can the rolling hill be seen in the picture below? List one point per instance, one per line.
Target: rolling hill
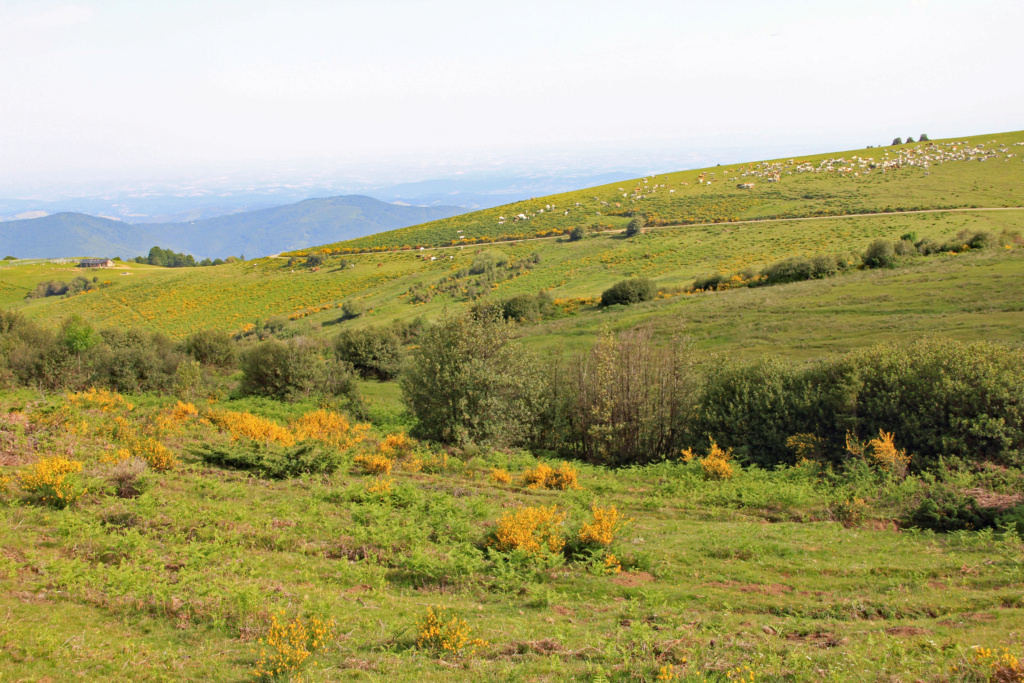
(940, 294)
(254, 233)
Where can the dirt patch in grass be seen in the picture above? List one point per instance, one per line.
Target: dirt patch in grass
(822, 639)
(632, 579)
(763, 588)
(906, 631)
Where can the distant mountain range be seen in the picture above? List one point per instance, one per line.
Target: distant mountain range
(252, 233)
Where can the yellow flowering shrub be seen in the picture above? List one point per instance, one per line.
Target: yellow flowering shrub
(806, 447)
(612, 564)
(382, 485)
(398, 445)
(242, 424)
(374, 463)
(1001, 667)
(288, 645)
(52, 481)
(93, 398)
(543, 476)
(500, 476)
(601, 531)
(330, 428)
(884, 453)
(155, 454)
(445, 633)
(534, 530)
(687, 455)
(716, 464)
(182, 412)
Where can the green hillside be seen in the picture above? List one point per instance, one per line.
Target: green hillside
(395, 285)
(983, 170)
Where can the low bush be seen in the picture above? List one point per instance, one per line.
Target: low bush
(945, 509)
(270, 460)
(879, 254)
(634, 227)
(631, 291)
(211, 347)
(375, 352)
(298, 367)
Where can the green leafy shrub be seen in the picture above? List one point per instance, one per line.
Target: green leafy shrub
(298, 367)
(271, 461)
(790, 270)
(211, 347)
(945, 509)
(634, 227)
(879, 254)
(631, 291)
(373, 351)
(470, 380)
(577, 233)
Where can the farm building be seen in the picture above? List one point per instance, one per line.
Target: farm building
(96, 263)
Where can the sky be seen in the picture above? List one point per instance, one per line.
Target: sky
(145, 92)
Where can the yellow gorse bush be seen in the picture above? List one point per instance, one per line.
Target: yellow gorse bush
(500, 476)
(885, 454)
(107, 401)
(51, 481)
(1002, 667)
(182, 412)
(241, 424)
(288, 645)
(444, 632)
(601, 531)
(330, 428)
(533, 530)
(380, 486)
(395, 446)
(543, 476)
(716, 464)
(374, 463)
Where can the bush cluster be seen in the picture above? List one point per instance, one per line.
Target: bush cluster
(631, 291)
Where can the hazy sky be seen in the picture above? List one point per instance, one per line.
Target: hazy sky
(144, 90)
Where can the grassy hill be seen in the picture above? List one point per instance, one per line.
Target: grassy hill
(395, 285)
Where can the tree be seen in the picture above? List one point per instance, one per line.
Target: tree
(469, 380)
(631, 291)
(78, 336)
(910, 139)
(879, 254)
(897, 141)
(924, 138)
(577, 233)
(373, 351)
(315, 260)
(634, 227)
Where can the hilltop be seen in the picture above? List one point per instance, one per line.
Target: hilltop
(255, 233)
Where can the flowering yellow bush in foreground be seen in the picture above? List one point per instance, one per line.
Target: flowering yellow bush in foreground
(607, 522)
(716, 463)
(329, 428)
(107, 401)
(373, 463)
(543, 476)
(251, 426)
(157, 456)
(287, 646)
(51, 481)
(446, 633)
(885, 454)
(534, 530)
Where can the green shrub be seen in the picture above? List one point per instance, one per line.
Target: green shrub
(879, 254)
(577, 233)
(130, 361)
(634, 227)
(824, 266)
(709, 282)
(630, 291)
(522, 307)
(271, 461)
(470, 380)
(790, 270)
(352, 309)
(1012, 518)
(374, 351)
(903, 248)
(211, 347)
(298, 367)
(945, 509)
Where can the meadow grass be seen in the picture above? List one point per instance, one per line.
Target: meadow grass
(181, 581)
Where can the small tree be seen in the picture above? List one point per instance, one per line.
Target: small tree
(374, 351)
(910, 139)
(631, 291)
(315, 260)
(879, 254)
(924, 138)
(211, 347)
(634, 227)
(577, 233)
(897, 141)
(469, 380)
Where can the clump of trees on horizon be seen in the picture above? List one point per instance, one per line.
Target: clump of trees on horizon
(172, 259)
